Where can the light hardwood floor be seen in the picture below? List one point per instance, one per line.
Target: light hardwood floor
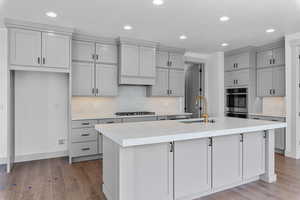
(55, 179)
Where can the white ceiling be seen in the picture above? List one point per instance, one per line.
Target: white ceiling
(198, 19)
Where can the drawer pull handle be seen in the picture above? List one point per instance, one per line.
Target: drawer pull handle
(86, 134)
(85, 123)
(110, 122)
(85, 149)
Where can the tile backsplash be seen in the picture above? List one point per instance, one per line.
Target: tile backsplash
(274, 105)
(131, 98)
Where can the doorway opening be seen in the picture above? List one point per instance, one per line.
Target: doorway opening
(194, 86)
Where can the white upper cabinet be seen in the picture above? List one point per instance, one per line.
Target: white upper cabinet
(176, 60)
(129, 60)
(56, 50)
(237, 78)
(83, 79)
(147, 62)
(238, 61)
(271, 82)
(176, 83)
(279, 56)
(38, 50)
(269, 58)
(95, 65)
(264, 59)
(161, 87)
(25, 47)
(264, 82)
(106, 80)
(279, 81)
(162, 59)
(106, 53)
(137, 62)
(83, 51)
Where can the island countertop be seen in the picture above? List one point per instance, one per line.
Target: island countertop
(152, 132)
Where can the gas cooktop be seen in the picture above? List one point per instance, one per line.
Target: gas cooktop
(134, 113)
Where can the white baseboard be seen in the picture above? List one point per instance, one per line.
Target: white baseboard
(2, 161)
(40, 156)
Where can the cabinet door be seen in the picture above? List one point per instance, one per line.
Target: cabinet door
(279, 81)
(106, 80)
(226, 161)
(56, 50)
(264, 82)
(242, 61)
(82, 79)
(253, 154)
(176, 60)
(162, 83)
(279, 56)
(242, 77)
(147, 62)
(107, 53)
(229, 79)
(25, 47)
(153, 172)
(264, 59)
(162, 59)
(129, 60)
(192, 168)
(83, 51)
(176, 82)
(229, 63)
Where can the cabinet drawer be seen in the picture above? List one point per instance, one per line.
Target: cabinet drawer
(84, 134)
(84, 149)
(83, 123)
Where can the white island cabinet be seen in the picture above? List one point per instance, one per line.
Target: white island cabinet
(185, 160)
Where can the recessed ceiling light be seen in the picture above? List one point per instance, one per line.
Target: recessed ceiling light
(224, 44)
(224, 18)
(127, 27)
(158, 2)
(270, 30)
(183, 37)
(51, 14)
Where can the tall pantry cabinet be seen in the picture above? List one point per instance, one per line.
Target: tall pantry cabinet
(39, 73)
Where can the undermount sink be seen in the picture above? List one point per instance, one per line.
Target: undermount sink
(202, 121)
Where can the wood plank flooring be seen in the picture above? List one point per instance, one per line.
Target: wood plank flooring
(55, 179)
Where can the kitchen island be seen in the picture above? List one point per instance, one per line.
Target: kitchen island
(187, 159)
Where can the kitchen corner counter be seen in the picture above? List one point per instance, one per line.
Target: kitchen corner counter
(91, 116)
(142, 133)
(277, 115)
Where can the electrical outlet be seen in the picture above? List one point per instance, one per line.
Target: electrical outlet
(61, 141)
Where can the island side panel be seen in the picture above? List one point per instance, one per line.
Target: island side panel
(110, 162)
(270, 175)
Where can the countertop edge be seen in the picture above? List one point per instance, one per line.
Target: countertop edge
(195, 135)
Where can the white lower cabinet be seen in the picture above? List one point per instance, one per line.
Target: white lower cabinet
(253, 154)
(152, 169)
(192, 168)
(227, 161)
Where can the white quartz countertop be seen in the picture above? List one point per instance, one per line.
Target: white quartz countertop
(281, 115)
(87, 116)
(152, 132)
